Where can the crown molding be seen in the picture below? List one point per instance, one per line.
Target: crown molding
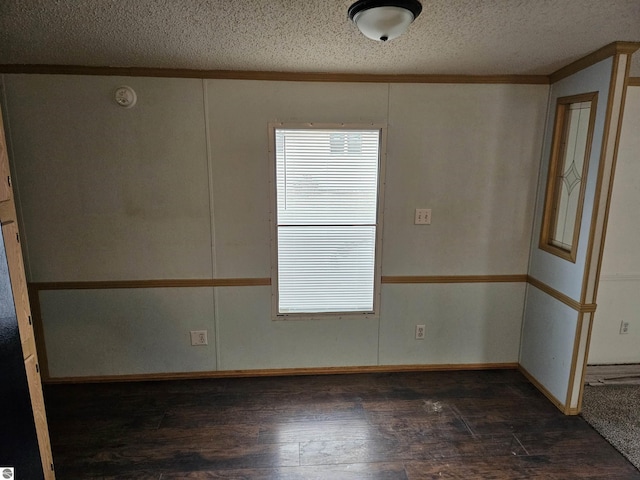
(614, 48)
(269, 76)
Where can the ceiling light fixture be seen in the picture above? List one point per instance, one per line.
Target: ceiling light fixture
(384, 20)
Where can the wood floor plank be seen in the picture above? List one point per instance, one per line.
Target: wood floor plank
(130, 476)
(412, 425)
(565, 443)
(364, 471)
(117, 460)
(506, 468)
(524, 421)
(563, 467)
(314, 430)
(357, 451)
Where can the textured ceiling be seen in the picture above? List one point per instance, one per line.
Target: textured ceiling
(474, 37)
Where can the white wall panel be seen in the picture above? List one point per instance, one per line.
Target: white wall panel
(471, 154)
(464, 323)
(565, 276)
(109, 193)
(622, 247)
(548, 336)
(115, 194)
(119, 332)
(249, 339)
(618, 301)
(239, 115)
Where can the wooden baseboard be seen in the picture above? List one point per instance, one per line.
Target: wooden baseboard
(280, 372)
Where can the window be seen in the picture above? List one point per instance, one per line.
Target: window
(326, 220)
(568, 166)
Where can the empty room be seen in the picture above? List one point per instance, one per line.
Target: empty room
(321, 239)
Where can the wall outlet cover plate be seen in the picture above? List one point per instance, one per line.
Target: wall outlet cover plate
(199, 337)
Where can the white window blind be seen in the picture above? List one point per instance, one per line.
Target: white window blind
(327, 195)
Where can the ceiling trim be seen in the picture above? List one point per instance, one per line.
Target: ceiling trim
(615, 48)
(270, 76)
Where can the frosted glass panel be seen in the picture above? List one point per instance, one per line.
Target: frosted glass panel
(576, 129)
(568, 168)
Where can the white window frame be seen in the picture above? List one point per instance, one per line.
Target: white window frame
(382, 128)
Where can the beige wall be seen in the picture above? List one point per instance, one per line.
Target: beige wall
(178, 187)
(618, 298)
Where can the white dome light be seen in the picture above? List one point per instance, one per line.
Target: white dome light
(384, 20)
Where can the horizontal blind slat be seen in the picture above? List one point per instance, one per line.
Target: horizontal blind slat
(327, 187)
(327, 176)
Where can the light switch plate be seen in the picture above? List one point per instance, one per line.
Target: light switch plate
(423, 216)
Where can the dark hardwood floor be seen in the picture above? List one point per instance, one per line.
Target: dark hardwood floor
(442, 425)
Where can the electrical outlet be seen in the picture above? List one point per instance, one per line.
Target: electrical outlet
(419, 332)
(624, 327)
(422, 217)
(199, 337)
